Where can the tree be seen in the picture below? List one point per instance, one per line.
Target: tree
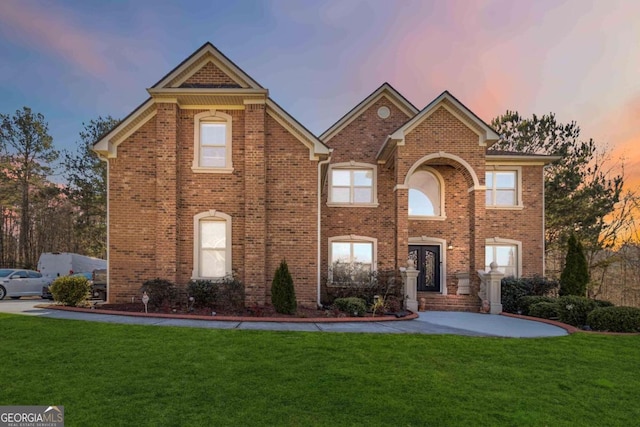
(575, 275)
(579, 191)
(29, 152)
(86, 177)
(283, 294)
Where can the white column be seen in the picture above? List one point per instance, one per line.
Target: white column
(492, 292)
(410, 281)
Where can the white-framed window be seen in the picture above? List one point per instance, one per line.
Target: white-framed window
(506, 253)
(426, 195)
(352, 184)
(503, 188)
(212, 142)
(352, 259)
(211, 245)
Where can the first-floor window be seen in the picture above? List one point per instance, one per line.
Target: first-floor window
(506, 256)
(212, 245)
(351, 262)
(213, 248)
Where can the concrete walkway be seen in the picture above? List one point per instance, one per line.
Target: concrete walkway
(431, 322)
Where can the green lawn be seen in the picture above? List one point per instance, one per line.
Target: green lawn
(118, 375)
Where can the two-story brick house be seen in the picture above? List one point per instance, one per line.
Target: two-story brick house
(210, 177)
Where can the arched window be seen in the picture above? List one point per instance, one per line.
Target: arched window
(426, 194)
(211, 245)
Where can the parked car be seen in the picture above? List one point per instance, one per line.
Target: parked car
(46, 292)
(16, 283)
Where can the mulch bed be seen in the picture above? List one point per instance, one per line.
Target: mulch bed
(256, 314)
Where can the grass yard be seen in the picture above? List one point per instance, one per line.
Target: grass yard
(119, 375)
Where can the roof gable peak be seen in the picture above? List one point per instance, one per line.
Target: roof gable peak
(204, 55)
(384, 90)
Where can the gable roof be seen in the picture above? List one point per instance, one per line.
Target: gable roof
(385, 90)
(486, 134)
(206, 53)
(172, 88)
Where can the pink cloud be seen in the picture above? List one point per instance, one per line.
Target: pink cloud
(52, 33)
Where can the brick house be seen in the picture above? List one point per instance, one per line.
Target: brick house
(210, 176)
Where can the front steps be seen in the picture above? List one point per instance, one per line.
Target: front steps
(438, 302)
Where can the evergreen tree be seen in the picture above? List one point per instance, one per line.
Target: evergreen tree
(575, 275)
(283, 294)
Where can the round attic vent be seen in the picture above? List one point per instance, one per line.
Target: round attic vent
(384, 112)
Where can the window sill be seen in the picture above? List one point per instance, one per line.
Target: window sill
(352, 205)
(427, 218)
(198, 169)
(505, 208)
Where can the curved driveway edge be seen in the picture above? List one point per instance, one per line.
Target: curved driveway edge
(432, 322)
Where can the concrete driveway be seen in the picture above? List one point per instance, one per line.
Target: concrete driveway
(431, 322)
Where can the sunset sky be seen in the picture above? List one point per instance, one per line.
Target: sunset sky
(76, 60)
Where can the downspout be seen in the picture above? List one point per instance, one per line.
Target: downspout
(544, 226)
(106, 160)
(319, 243)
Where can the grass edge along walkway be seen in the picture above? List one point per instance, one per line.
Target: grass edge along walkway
(107, 374)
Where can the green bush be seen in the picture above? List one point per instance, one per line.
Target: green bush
(161, 292)
(544, 310)
(225, 294)
(513, 289)
(203, 293)
(525, 303)
(353, 306)
(615, 319)
(574, 310)
(386, 283)
(575, 275)
(603, 303)
(283, 294)
(70, 290)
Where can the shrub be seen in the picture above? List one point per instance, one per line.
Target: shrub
(513, 289)
(352, 306)
(225, 294)
(615, 319)
(283, 294)
(70, 290)
(385, 283)
(574, 309)
(525, 303)
(575, 275)
(603, 303)
(544, 310)
(161, 292)
(203, 293)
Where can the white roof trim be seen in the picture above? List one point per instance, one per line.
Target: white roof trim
(450, 103)
(316, 147)
(218, 59)
(107, 145)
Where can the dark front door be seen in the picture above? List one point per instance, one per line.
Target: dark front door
(427, 260)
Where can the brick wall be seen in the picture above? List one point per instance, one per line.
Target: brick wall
(291, 212)
(360, 141)
(132, 215)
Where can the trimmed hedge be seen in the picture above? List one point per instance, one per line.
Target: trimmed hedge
(225, 294)
(525, 303)
(161, 292)
(283, 293)
(544, 310)
(70, 290)
(513, 289)
(352, 306)
(574, 310)
(615, 319)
